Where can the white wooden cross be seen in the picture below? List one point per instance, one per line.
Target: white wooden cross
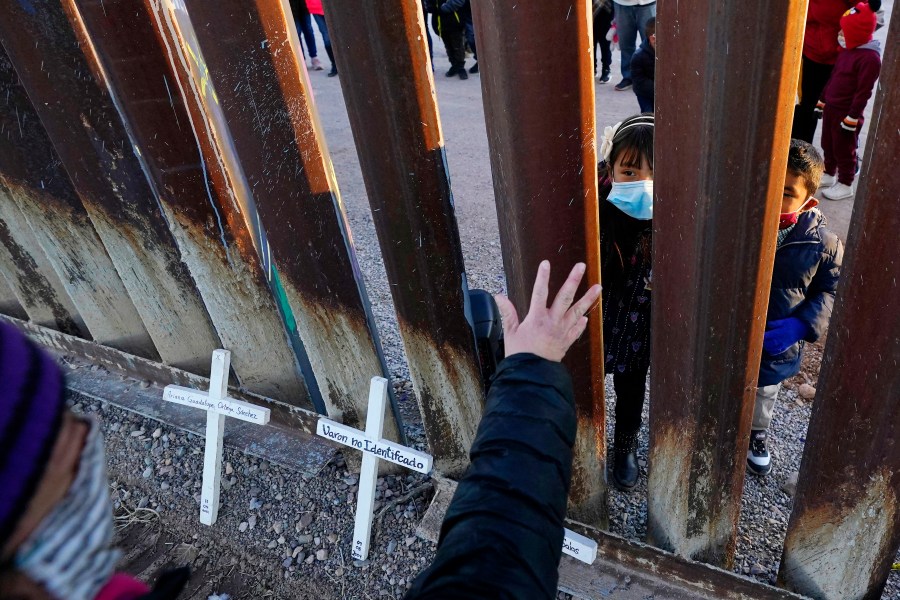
(217, 405)
(373, 449)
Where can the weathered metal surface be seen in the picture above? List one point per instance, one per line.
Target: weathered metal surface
(9, 303)
(713, 246)
(547, 198)
(194, 191)
(844, 530)
(34, 179)
(244, 49)
(140, 369)
(36, 285)
(389, 90)
(90, 139)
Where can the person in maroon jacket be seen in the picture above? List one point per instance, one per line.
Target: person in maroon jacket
(820, 51)
(845, 98)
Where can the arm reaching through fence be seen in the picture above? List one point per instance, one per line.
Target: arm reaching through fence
(503, 533)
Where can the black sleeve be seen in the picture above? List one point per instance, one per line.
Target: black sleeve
(503, 533)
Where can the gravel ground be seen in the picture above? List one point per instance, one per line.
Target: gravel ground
(286, 535)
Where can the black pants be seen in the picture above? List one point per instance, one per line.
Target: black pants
(602, 23)
(813, 77)
(455, 43)
(630, 389)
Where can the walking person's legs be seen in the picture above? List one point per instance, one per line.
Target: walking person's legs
(326, 41)
(305, 32)
(455, 43)
(470, 40)
(626, 26)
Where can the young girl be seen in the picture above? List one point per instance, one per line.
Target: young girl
(626, 183)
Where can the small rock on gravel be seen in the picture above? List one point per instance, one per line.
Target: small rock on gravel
(243, 526)
(806, 391)
(789, 486)
(322, 554)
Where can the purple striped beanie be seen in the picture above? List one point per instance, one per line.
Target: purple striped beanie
(32, 402)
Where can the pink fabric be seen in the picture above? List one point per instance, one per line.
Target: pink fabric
(123, 587)
(315, 7)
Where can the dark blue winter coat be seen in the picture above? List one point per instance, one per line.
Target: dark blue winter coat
(804, 280)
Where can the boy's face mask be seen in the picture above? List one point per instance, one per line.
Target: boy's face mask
(634, 198)
(70, 553)
(790, 219)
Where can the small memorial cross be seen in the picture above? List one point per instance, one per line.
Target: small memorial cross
(217, 405)
(373, 449)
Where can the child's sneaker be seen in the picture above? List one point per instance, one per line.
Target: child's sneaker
(758, 460)
(604, 76)
(827, 181)
(839, 191)
(317, 65)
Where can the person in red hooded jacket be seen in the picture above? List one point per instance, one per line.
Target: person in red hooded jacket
(820, 51)
(845, 97)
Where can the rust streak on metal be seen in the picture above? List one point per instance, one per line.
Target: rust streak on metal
(714, 244)
(844, 530)
(541, 132)
(394, 117)
(246, 51)
(90, 139)
(36, 182)
(193, 191)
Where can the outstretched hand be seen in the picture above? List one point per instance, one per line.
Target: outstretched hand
(548, 332)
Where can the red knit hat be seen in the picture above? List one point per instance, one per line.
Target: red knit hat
(858, 25)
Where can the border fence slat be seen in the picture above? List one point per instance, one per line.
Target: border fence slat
(386, 79)
(722, 134)
(92, 143)
(844, 530)
(35, 181)
(247, 58)
(38, 288)
(194, 194)
(541, 129)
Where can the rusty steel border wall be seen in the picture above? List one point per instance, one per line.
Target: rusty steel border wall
(165, 189)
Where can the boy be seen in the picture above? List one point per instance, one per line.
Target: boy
(643, 68)
(846, 95)
(807, 265)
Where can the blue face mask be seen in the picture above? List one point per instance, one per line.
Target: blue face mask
(634, 198)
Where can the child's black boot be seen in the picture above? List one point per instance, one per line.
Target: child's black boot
(625, 470)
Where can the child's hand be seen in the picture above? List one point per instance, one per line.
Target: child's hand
(548, 332)
(782, 334)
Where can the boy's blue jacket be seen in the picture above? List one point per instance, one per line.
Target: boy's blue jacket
(804, 280)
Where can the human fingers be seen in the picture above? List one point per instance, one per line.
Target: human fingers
(575, 332)
(539, 293)
(584, 304)
(566, 294)
(507, 314)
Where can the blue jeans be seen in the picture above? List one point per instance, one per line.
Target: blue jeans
(323, 29)
(631, 20)
(305, 31)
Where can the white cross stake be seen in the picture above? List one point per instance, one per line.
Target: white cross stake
(217, 405)
(373, 449)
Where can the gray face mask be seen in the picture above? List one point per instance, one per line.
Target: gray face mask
(70, 552)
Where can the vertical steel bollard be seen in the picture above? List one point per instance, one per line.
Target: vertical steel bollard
(541, 132)
(726, 80)
(844, 530)
(387, 83)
